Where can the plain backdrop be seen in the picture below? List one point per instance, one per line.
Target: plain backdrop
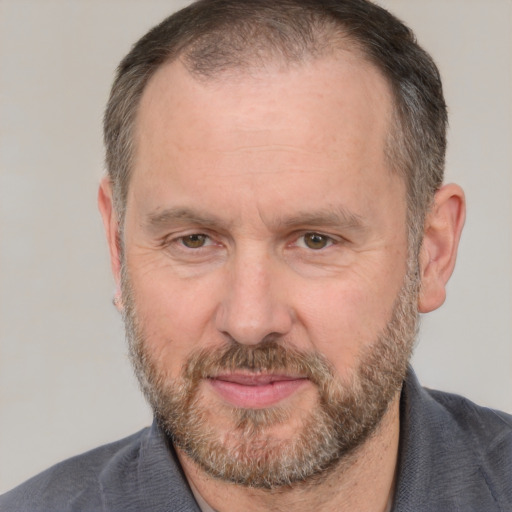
(65, 382)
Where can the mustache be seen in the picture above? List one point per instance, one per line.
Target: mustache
(268, 356)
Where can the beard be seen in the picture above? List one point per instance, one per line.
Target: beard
(245, 450)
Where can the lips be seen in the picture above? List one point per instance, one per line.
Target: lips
(255, 390)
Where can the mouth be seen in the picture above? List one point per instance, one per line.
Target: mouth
(254, 390)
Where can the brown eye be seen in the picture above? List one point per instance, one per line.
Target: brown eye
(316, 241)
(194, 241)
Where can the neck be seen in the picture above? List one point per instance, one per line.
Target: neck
(365, 482)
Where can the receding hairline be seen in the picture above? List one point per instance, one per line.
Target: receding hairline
(274, 65)
(223, 37)
(327, 40)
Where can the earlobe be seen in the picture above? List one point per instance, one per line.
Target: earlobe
(443, 227)
(111, 225)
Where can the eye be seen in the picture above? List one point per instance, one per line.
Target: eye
(315, 241)
(194, 241)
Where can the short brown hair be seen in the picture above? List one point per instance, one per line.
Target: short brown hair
(212, 36)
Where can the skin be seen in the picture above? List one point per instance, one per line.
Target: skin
(255, 162)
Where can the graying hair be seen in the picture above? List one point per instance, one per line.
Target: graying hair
(217, 36)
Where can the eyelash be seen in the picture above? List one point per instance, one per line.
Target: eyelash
(190, 237)
(328, 241)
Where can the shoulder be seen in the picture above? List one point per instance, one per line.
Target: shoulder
(458, 448)
(486, 427)
(487, 432)
(73, 484)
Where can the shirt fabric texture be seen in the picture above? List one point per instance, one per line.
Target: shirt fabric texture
(454, 457)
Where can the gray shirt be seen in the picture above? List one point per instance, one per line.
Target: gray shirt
(454, 456)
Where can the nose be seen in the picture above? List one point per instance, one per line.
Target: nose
(254, 306)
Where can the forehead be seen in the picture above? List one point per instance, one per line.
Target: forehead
(318, 95)
(328, 116)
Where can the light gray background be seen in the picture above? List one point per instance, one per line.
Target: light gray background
(65, 383)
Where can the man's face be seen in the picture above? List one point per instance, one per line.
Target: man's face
(265, 281)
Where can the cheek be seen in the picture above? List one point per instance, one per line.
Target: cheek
(340, 321)
(175, 316)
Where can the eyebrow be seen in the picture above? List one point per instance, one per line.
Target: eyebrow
(336, 217)
(329, 217)
(170, 216)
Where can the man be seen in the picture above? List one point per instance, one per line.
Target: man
(276, 220)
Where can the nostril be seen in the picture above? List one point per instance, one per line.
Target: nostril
(269, 339)
(253, 327)
(252, 307)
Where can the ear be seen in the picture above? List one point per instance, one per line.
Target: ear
(443, 227)
(111, 225)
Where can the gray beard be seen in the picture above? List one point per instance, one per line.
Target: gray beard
(343, 419)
